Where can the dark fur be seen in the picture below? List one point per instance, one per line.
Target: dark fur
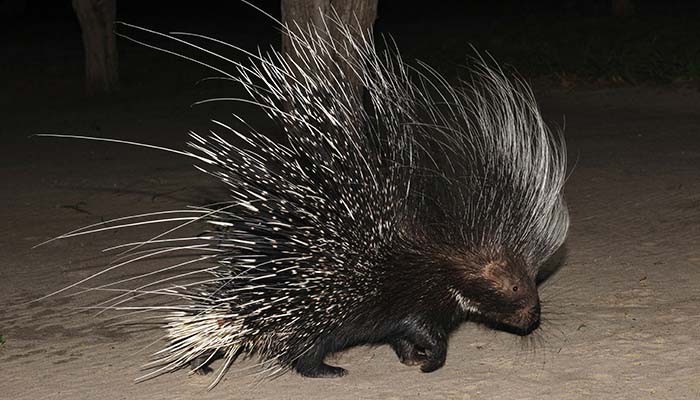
(414, 311)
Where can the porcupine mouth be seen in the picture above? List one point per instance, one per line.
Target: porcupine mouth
(505, 326)
(522, 331)
(522, 323)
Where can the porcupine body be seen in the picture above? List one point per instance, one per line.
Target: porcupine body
(389, 219)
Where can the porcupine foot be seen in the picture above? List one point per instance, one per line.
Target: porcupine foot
(311, 365)
(428, 350)
(322, 370)
(316, 368)
(407, 352)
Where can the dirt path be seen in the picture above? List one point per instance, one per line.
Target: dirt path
(622, 315)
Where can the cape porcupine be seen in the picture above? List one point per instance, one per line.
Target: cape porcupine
(388, 219)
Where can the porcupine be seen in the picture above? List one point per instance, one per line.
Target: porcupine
(384, 220)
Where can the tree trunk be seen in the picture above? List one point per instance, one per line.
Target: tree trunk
(622, 8)
(96, 19)
(299, 14)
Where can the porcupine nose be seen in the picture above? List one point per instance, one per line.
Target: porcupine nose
(529, 318)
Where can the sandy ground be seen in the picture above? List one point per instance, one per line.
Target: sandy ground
(621, 314)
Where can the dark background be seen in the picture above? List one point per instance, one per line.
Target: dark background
(565, 43)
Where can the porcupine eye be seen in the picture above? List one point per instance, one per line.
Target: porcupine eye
(515, 289)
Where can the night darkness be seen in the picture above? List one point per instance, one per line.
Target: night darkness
(619, 311)
(569, 43)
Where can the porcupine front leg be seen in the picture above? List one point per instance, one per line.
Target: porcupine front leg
(422, 345)
(406, 351)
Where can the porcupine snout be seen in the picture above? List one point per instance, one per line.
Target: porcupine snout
(511, 301)
(524, 317)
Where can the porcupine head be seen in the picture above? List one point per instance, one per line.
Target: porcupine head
(499, 290)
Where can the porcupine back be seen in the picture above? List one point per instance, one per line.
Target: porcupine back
(297, 244)
(313, 225)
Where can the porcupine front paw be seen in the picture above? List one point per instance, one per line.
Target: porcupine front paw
(422, 343)
(429, 359)
(407, 352)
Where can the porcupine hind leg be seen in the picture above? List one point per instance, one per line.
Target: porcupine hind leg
(311, 362)
(422, 346)
(200, 365)
(312, 366)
